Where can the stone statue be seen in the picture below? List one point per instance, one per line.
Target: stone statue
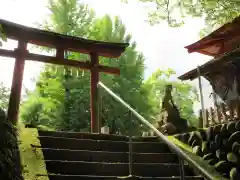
(171, 121)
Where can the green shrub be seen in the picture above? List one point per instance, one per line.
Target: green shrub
(10, 166)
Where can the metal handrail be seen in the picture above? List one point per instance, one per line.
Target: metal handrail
(172, 146)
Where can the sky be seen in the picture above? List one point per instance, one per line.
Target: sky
(162, 46)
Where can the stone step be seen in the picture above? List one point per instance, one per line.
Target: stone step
(150, 147)
(105, 156)
(114, 169)
(101, 145)
(83, 144)
(81, 135)
(82, 177)
(95, 136)
(146, 139)
(78, 177)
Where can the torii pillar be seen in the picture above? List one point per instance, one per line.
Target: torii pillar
(95, 120)
(95, 124)
(16, 88)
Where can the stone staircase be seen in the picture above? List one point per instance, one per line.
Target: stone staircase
(85, 156)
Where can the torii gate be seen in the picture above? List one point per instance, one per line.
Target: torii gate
(61, 43)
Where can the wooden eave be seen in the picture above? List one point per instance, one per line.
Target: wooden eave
(212, 65)
(55, 40)
(222, 40)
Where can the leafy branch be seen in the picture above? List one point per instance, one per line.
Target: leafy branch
(3, 36)
(214, 12)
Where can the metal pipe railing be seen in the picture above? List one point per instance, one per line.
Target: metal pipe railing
(130, 144)
(181, 154)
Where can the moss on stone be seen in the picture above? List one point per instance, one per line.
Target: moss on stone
(32, 159)
(231, 157)
(213, 147)
(221, 154)
(194, 139)
(197, 150)
(209, 134)
(209, 156)
(237, 126)
(234, 174)
(234, 137)
(231, 127)
(218, 140)
(194, 143)
(235, 147)
(205, 147)
(212, 162)
(188, 151)
(185, 137)
(217, 129)
(223, 166)
(203, 134)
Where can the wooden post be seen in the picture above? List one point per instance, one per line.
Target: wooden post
(231, 109)
(212, 116)
(224, 114)
(219, 115)
(206, 115)
(94, 93)
(100, 111)
(201, 96)
(235, 107)
(200, 121)
(216, 107)
(15, 95)
(238, 110)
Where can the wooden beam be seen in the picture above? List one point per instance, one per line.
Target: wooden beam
(15, 95)
(51, 39)
(94, 93)
(55, 60)
(212, 65)
(60, 53)
(197, 47)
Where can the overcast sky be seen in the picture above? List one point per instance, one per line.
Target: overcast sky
(163, 47)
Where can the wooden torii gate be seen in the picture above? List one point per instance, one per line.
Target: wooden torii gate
(61, 43)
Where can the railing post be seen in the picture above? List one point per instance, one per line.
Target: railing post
(99, 110)
(130, 143)
(201, 97)
(181, 166)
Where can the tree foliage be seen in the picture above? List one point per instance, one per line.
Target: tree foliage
(69, 17)
(4, 96)
(2, 35)
(61, 99)
(215, 12)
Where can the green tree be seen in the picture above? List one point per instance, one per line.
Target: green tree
(215, 12)
(68, 17)
(52, 88)
(129, 84)
(71, 18)
(184, 94)
(4, 96)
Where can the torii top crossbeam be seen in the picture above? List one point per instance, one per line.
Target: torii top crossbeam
(54, 40)
(61, 43)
